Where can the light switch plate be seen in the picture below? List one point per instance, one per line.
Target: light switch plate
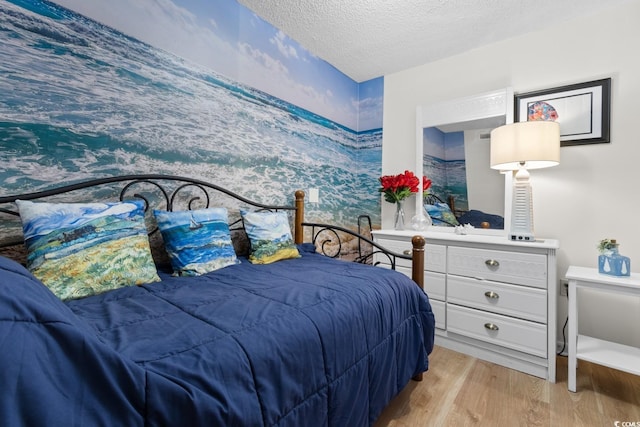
(314, 195)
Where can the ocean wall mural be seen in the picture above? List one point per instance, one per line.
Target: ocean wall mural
(195, 88)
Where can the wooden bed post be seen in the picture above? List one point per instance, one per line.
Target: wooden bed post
(417, 260)
(417, 272)
(299, 217)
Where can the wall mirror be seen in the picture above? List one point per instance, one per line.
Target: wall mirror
(453, 148)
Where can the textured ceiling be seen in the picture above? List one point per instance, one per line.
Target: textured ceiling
(370, 38)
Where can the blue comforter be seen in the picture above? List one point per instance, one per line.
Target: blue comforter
(309, 341)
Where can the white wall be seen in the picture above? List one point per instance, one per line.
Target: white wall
(594, 192)
(481, 189)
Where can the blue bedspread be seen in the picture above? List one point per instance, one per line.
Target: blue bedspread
(303, 342)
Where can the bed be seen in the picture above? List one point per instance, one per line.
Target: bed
(305, 340)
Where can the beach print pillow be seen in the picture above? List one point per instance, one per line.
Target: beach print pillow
(270, 237)
(83, 249)
(197, 241)
(441, 214)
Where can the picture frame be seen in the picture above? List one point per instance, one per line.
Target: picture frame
(583, 110)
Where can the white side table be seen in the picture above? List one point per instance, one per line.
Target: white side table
(602, 352)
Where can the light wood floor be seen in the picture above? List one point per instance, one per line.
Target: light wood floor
(460, 390)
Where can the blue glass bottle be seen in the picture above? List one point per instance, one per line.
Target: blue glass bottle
(614, 264)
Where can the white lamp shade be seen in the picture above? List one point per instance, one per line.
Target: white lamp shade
(536, 144)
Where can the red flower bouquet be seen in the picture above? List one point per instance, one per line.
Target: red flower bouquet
(398, 187)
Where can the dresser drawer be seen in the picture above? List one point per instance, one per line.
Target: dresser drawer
(434, 283)
(511, 267)
(434, 287)
(512, 300)
(435, 256)
(521, 335)
(439, 312)
(397, 246)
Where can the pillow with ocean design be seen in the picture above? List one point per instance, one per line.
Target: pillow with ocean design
(197, 241)
(441, 214)
(270, 237)
(83, 249)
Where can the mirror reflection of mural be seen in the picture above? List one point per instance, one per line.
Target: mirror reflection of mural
(444, 163)
(187, 88)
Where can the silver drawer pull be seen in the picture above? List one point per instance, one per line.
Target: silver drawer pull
(407, 252)
(492, 263)
(491, 294)
(491, 326)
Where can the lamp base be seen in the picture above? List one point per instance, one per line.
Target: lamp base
(522, 208)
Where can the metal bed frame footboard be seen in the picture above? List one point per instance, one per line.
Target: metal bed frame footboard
(327, 239)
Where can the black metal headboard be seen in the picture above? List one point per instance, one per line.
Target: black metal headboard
(160, 182)
(166, 192)
(170, 192)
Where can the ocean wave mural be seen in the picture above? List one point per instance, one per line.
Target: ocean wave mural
(445, 164)
(82, 100)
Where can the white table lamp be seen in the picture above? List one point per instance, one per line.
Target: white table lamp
(522, 146)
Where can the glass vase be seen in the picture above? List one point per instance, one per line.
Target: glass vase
(398, 218)
(612, 263)
(421, 221)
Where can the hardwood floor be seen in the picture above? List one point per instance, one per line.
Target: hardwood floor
(460, 390)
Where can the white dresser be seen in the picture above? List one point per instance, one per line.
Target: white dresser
(492, 298)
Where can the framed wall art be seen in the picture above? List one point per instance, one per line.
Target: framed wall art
(582, 110)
